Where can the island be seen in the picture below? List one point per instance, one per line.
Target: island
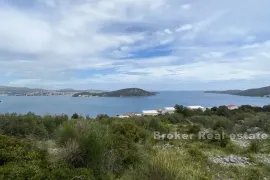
(128, 92)
(256, 92)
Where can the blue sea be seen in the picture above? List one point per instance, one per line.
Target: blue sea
(112, 106)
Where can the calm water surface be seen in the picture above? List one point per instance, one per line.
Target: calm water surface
(112, 106)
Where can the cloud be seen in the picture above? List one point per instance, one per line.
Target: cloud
(184, 28)
(58, 44)
(186, 6)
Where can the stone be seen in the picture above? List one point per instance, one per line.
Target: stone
(231, 160)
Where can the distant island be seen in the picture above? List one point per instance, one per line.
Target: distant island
(25, 91)
(128, 92)
(256, 92)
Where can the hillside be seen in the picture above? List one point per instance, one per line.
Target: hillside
(218, 144)
(17, 90)
(23, 91)
(257, 92)
(128, 92)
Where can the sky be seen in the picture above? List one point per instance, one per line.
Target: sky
(150, 44)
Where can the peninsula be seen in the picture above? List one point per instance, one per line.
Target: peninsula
(25, 91)
(128, 92)
(256, 92)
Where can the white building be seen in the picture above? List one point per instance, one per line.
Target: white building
(232, 107)
(123, 116)
(150, 112)
(169, 110)
(196, 108)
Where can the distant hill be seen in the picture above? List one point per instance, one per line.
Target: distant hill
(258, 92)
(75, 91)
(128, 92)
(9, 90)
(17, 90)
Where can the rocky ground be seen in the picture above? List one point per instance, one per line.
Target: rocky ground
(231, 160)
(263, 158)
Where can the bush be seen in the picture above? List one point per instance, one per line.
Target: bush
(102, 116)
(42, 170)
(221, 139)
(84, 143)
(14, 150)
(169, 165)
(21, 159)
(193, 129)
(75, 116)
(129, 130)
(254, 146)
(30, 125)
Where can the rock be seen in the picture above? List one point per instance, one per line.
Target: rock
(240, 142)
(263, 158)
(165, 146)
(231, 160)
(253, 130)
(226, 159)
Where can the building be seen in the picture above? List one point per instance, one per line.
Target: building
(169, 110)
(150, 112)
(123, 116)
(196, 108)
(232, 107)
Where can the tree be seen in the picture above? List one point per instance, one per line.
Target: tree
(102, 116)
(223, 111)
(75, 116)
(179, 108)
(266, 108)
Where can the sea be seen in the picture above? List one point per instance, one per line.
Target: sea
(93, 106)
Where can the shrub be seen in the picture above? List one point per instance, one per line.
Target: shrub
(129, 130)
(196, 154)
(102, 116)
(193, 129)
(169, 165)
(75, 116)
(84, 143)
(30, 125)
(254, 146)
(43, 170)
(221, 139)
(223, 111)
(14, 150)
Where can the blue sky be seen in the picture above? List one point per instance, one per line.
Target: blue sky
(151, 44)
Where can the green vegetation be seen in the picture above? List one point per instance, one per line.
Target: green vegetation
(260, 92)
(106, 148)
(129, 92)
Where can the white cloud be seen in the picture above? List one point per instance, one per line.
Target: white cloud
(213, 55)
(250, 39)
(186, 6)
(184, 28)
(21, 32)
(119, 41)
(49, 3)
(168, 31)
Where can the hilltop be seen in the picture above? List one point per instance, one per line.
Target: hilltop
(128, 92)
(257, 92)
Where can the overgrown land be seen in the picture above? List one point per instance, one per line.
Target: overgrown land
(61, 147)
